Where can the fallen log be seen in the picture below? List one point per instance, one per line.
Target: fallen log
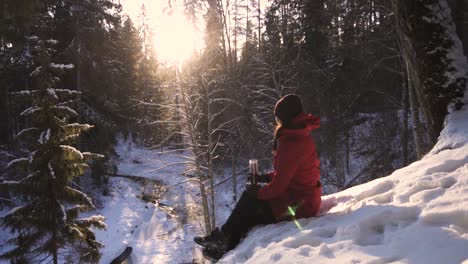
(136, 178)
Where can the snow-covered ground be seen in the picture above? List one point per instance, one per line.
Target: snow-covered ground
(157, 234)
(419, 214)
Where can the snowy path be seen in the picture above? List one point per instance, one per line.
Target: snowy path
(155, 236)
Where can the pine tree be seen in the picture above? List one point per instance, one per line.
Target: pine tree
(48, 222)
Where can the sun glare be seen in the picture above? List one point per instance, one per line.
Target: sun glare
(175, 39)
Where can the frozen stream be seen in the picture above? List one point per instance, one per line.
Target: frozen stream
(153, 231)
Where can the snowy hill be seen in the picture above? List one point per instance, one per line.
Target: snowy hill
(419, 214)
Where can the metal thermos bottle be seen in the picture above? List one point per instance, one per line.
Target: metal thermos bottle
(253, 168)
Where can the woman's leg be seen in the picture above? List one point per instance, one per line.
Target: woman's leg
(248, 212)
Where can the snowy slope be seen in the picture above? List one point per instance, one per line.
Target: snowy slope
(418, 214)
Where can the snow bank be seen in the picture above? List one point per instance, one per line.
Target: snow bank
(418, 214)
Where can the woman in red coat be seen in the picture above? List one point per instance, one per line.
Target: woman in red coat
(293, 190)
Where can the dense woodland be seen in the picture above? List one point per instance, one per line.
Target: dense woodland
(380, 74)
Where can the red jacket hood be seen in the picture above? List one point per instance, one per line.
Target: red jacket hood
(309, 121)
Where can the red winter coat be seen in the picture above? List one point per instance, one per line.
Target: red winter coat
(295, 180)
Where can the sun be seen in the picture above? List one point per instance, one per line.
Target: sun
(175, 39)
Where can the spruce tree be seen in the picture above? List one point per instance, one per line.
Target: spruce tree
(47, 225)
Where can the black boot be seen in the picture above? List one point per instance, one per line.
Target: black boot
(217, 239)
(213, 254)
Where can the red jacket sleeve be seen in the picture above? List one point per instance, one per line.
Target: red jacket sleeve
(289, 156)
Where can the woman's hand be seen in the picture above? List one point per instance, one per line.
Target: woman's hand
(259, 178)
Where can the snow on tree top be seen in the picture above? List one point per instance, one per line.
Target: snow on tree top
(52, 41)
(63, 213)
(51, 170)
(30, 176)
(26, 92)
(26, 130)
(69, 92)
(13, 210)
(52, 93)
(77, 125)
(32, 38)
(36, 71)
(44, 137)
(30, 110)
(88, 201)
(72, 150)
(13, 162)
(93, 155)
(62, 66)
(31, 156)
(66, 109)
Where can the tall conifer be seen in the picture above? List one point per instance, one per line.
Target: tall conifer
(47, 225)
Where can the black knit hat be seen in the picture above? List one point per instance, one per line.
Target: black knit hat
(288, 107)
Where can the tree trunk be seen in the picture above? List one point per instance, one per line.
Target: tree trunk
(259, 26)
(236, 12)
(417, 127)
(55, 252)
(234, 176)
(404, 121)
(211, 147)
(206, 211)
(434, 55)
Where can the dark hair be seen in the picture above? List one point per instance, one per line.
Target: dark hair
(286, 109)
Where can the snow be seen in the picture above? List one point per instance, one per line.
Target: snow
(32, 156)
(52, 93)
(69, 150)
(35, 72)
(30, 110)
(418, 214)
(26, 92)
(51, 170)
(62, 66)
(158, 233)
(13, 162)
(67, 91)
(26, 130)
(44, 137)
(65, 109)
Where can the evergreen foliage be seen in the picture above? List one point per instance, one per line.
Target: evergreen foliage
(48, 225)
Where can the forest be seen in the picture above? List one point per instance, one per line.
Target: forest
(75, 75)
